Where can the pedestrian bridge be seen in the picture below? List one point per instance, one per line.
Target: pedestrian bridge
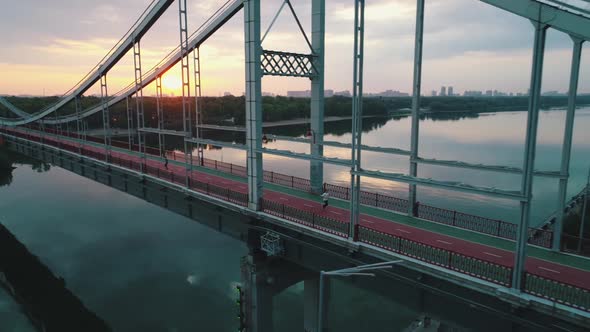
(515, 263)
(466, 244)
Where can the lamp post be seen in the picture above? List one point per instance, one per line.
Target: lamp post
(352, 271)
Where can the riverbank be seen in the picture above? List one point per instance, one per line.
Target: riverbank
(46, 301)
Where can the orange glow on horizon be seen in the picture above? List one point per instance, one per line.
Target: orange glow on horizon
(172, 84)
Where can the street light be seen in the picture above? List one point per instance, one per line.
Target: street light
(352, 271)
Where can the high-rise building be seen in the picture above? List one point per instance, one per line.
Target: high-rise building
(489, 93)
(443, 91)
(450, 91)
(434, 93)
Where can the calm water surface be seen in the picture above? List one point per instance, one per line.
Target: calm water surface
(490, 138)
(142, 268)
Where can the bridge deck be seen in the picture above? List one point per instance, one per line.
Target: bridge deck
(565, 268)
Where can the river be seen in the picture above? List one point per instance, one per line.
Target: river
(142, 268)
(487, 138)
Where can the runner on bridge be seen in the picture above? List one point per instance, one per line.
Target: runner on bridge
(325, 197)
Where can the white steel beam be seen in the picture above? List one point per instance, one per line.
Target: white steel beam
(168, 132)
(357, 115)
(140, 27)
(566, 149)
(483, 167)
(305, 156)
(160, 115)
(201, 35)
(139, 105)
(204, 141)
(559, 19)
(106, 118)
(416, 91)
(451, 185)
(253, 51)
(187, 123)
(529, 155)
(318, 23)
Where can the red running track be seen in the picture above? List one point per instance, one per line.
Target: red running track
(549, 270)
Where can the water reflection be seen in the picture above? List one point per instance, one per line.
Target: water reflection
(487, 138)
(8, 160)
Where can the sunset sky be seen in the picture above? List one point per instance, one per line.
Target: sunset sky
(49, 45)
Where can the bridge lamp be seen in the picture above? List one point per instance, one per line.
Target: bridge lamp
(353, 271)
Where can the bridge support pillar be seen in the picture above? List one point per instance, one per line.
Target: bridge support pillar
(257, 307)
(313, 290)
(318, 18)
(253, 96)
(518, 275)
(567, 142)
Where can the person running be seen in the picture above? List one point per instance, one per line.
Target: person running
(325, 197)
(165, 162)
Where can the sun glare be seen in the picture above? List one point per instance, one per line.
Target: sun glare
(171, 83)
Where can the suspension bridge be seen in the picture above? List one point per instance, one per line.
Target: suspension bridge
(515, 263)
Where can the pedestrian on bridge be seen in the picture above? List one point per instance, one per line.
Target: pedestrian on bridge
(165, 161)
(325, 197)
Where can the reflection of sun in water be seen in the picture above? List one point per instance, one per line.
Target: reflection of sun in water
(172, 83)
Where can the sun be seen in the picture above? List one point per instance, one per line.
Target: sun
(172, 83)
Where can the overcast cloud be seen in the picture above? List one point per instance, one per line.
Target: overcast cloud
(468, 44)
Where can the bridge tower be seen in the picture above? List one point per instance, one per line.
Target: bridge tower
(261, 62)
(253, 49)
(318, 27)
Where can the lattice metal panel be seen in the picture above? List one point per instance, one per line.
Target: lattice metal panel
(277, 63)
(271, 244)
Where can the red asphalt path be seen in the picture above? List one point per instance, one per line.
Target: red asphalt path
(546, 269)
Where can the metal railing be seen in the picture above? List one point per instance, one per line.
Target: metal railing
(454, 218)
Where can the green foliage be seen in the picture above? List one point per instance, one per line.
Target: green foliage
(231, 109)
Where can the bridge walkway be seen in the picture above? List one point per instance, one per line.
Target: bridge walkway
(496, 253)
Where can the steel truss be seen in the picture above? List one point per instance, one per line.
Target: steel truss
(106, 118)
(529, 154)
(80, 130)
(198, 111)
(160, 115)
(357, 114)
(566, 149)
(139, 109)
(129, 123)
(276, 63)
(186, 113)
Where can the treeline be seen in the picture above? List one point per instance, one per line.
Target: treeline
(217, 110)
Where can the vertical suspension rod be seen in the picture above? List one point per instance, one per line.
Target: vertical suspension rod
(105, 115)
(186, 114)
(566, 149)
(518, 272)
(198, 110)
(357, 115)
(139, 102)
(416, 94)
(78, 104)
(129, 123)
(160, 114)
